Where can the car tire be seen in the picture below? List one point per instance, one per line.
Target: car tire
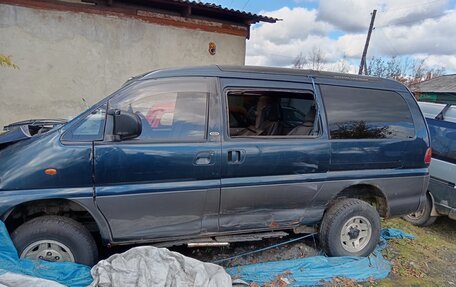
(422, 218)
(55, 238)
(350, 227)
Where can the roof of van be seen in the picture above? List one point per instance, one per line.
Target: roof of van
(273, 73)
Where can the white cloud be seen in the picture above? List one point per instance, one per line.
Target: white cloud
(298, 23)
(347, 15)
(278, 44)
(354, 15)
(434, 36)
(402, 29)
(351, 45)
(446, 61)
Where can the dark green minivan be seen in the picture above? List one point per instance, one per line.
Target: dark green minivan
(199, 153)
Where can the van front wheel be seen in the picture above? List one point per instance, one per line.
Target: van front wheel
(57, 239)
(351, 227)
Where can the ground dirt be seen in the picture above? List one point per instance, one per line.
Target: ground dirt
(428, 260)
(299, 249)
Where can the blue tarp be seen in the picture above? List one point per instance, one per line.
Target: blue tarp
(313, 271)
(301, 272)
(69, 274)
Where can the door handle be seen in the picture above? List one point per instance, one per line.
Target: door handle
(234, 156)
(203, 158)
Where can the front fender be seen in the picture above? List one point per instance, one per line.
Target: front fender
(9, 200)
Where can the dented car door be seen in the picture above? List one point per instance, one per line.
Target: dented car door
(275, 154)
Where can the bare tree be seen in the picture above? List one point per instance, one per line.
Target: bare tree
(386, 68)
(423, 73)
(314, 60)
(317, 59)
(299, 62)
(342, 65)
(406, 70)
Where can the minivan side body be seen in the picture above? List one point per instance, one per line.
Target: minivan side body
(222, 150)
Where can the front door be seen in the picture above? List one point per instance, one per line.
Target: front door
(166, 182)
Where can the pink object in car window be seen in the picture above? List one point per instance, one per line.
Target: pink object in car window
(155, 113)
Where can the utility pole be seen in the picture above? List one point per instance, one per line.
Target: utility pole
(363, 64)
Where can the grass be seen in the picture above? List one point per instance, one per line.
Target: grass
(425, 261)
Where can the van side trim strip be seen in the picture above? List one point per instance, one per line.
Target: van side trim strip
(323, 177)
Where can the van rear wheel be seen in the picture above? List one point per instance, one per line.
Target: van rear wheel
(56, 239)
(351, 227)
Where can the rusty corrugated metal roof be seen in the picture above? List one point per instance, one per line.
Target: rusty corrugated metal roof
(225, 9)
(207, 10)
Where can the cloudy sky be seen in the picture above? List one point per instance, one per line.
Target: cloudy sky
(420, 29)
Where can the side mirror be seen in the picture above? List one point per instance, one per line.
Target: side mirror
(126, 125)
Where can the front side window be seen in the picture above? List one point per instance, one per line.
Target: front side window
(271, 113)
(169, 109)
(356, 113)
(89, 129)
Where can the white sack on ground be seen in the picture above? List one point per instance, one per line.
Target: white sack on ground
(157, 267)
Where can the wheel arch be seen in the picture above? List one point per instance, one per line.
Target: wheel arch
(366, 192)
(434, 211)
(79, 211)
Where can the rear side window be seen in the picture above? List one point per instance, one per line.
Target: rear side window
(272, 113)
(356, 113)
